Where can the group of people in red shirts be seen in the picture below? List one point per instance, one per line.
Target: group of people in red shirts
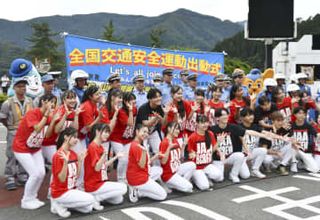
(158, 148)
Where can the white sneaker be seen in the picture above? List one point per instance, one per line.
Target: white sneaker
(133, 194)
(39, 202)
(234, 179)
(97, 206)
(31, 204)
(294, 167)
(57, 209)
(258, 174)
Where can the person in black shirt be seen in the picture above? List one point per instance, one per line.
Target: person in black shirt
(231, 146)
(279, 151)
(152, 115)
(257, 154)
(304, 134)
(263, 111)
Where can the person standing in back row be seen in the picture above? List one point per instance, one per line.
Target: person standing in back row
(12, 111)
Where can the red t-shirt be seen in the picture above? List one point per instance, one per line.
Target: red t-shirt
(173, 162)
(105, 118)
(316, 146)
(235, 107)
(213, 107)
(135, 174)
(122, 132)
(86, 117)
(285, 108)
(26, 139)
(197, 143)
(58, 188)
(191, 124)
(52, 139)
(94, 179)
(182, 121)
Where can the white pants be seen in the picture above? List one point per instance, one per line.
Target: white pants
(239, 165)
(34, 166)
(152, 190)
(309, 162)
(287, 154)
(111, 192)
(180, 180)
(105, 146)
(153, 141)
(48, 152)
(155, 172)
(122, 161)
(257, 156)
(76, 199)
(79, 148)
(211, 171)
(317, 159)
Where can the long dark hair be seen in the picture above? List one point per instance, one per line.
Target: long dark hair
(69, 131)
(47, 97)
(203, 119)
(200, 92)
(181, 109)
(98, 127)
(127, 97)
(112, 93)
(233, 91)
(89, 93)
(172, 125)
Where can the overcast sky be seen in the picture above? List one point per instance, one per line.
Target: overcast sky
(234, 10)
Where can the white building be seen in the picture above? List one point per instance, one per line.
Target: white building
(294, 57)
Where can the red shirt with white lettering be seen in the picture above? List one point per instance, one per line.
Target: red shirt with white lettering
(93, 179)
(182, 121)
(173, 162)
(135, 174)
(22, 142)
(285, 107)
(70, 117)
(122, 132)
(197, 144)
(58, 188)
(86, 117)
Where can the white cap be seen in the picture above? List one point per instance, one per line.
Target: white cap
(269, 82)
(301, 76)
(79, 74)
(293, 87)
(293, 78)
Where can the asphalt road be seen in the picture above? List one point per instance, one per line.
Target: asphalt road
(277, 197)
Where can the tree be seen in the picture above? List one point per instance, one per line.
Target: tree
(155, 36)
(44, 47)
(108, 33)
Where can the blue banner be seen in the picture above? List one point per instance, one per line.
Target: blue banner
(101, 58)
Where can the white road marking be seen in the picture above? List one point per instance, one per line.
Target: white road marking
(264, 194)
(136, 213)
(201, 210)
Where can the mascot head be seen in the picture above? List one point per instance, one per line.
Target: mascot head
(21, 68)
(254, 80)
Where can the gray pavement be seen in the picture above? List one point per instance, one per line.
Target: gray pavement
(277, 197)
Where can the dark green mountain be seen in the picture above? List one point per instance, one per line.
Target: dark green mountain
(184, 28)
